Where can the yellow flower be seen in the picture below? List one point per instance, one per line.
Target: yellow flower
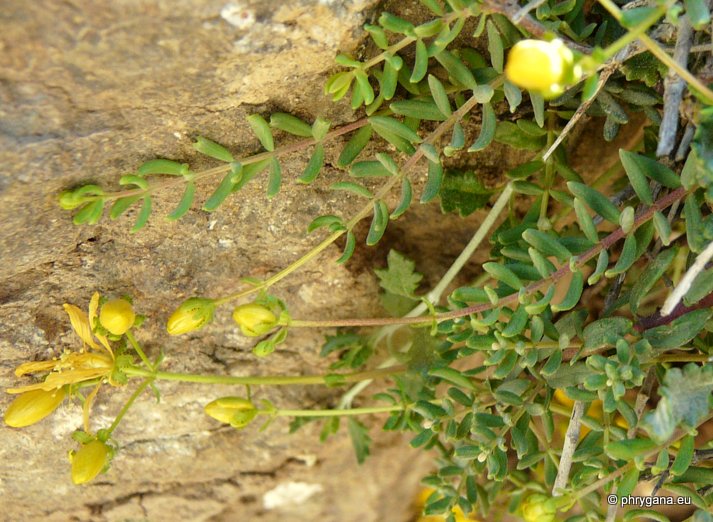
(93, 364)
(236, 411)
(254, 319)
(193, 314)
(117, 316)
(545, 67)
(33, 406)
(89, 461)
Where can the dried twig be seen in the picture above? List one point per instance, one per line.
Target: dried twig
(685, 284)
(571, 439)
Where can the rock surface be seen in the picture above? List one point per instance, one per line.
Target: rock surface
(88, 91)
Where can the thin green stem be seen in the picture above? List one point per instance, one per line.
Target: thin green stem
(139, 351)
(146, 382)
(332, 413)
(274, 380)
(632, 34)
(659, 53)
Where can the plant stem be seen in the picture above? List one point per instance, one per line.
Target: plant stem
(139, 351)
(332, 413)
(659, 53)
(274, 380)
(223, 169)
(146, 382)
(604, 244)
(632, 34)
(366, 210)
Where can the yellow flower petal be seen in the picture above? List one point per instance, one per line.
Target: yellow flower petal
(93, 307)
(34, 367)
(80, 324)
(33, 406)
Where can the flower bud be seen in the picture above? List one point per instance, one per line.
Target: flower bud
(539, 508)
(89, 461)
(254, 319)
(193, 314)
(33, 406)
(117, 316)
(545, 67)
(236, 411)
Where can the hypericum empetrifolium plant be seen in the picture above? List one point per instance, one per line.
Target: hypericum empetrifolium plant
(538, 397)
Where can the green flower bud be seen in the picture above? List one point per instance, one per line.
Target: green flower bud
(236, 411)
(117, 316)
(89, 461)
(539, 508)
(254, 319)
(193, 314)
(33, 406)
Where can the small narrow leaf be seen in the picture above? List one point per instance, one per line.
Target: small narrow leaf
(262, 130)
(163, 166)
(405, 202)
(626, 258)
(504, 274)
(602, 263)
(573, 294)
(378, 223)
(389, 80)
(290, 124)
(433, 183)
(320, 127)
(122, 204)
(348, 248)
(663, 228)
(354, 188)
(420, 65)
(684, 458)
(315, 164)
(90, 213)
(424, 109)
(453, 376)
(323, 221)
(648, 278)
(220, 193)
(546, 244)
(495, 46)
(516, 324)
(585, 221)
(456, 69)
(243, 174)
(487, 129)
(630, 448)
(599, 203)
(354, 146)
(369, 169)
(362, 81)
(212, 149)
(185, 203)
(392, 126)
(275, 179)
(698, 13)
(143, 216)
(651, 168)
(439, 95)
(635, 171)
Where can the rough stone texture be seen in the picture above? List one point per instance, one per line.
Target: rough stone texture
(89, 90)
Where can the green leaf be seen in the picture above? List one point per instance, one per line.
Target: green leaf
(433, 6)
(463, 192)
(316, 162)
(433, 183)
(648, 278)
(684, 458)
(121, 205)
(395, 24)
(439, 95)
(369, 169)
(585, 221)
(495, 47)
(679, 332)
(599, 203)
(384, 124)
(573, 294)
(651, 168)
(702, 286)
(364, 86)
(90, 213)
(378, 223)
(510, 134)
(456, 69)
(635, 171)
(354, 188)
(163, 166)
(694, 224)
(605, 332)
(453, 376)
(405, 201)
(698, 13)
(614, 111)
(354, 146)
(359, 434)
(185, 203)
(220, 193)
(420, 65)
(389, 80)
(349, 247)
(212, 149)
(628, 482)
(546, 243)
(290, 124)
(323, 221)
(424, 109)
(663, 228)
(513, 94)
(487, 129)
(378, 35)
(320, 127)
(626, 258)
(685, 397)
(143, 216)
(630, 448)
(504, 274)
(516, 324)
(400, 277)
